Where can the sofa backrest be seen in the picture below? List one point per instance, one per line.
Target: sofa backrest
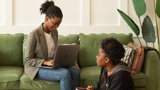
(89, 45)
(11, 49)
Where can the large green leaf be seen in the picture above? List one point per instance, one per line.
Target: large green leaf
(148, 30)
(139, 7)
(130, 22)
(158, 8)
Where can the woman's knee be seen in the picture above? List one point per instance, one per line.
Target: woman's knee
(65, 73)
(75, 72)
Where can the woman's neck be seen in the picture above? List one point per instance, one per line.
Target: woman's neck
(45, 28)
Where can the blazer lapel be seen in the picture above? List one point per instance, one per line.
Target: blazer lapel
(43, 41)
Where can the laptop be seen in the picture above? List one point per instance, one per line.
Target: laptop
(65, 55)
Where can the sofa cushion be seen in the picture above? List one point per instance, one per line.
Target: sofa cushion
(11, 49)
(10, 73)
(128, 56)
(37, 84)
(11, 85)
(140, 79)
(89, 45)
(138, 58)
(69, 39)
(90, 76)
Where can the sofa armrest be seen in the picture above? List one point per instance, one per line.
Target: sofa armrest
(151, 68)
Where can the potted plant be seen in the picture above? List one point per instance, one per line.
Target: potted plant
(146, 26)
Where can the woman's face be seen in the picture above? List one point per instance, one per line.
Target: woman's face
(53, 23)
(101, 58)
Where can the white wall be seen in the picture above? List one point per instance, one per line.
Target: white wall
(80, 16)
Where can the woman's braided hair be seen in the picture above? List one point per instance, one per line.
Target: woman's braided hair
(51, 11)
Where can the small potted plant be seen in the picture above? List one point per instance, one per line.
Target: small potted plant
(146, 25)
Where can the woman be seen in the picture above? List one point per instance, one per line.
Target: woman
(115, 75)
(42, 43)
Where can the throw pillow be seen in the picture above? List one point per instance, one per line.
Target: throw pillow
(128, 57)
(138, 58)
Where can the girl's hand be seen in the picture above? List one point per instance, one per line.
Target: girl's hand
(90, 87)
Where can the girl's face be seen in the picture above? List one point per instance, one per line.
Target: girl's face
(101, 58)
(52, 23)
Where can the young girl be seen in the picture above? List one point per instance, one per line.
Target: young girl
(115, 75)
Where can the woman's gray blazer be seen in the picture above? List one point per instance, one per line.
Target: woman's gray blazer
(36, 51)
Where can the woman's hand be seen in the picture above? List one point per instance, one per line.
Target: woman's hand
(48, 62)
(89, 87)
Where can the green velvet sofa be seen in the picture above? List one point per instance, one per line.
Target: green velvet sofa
(12, 76)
